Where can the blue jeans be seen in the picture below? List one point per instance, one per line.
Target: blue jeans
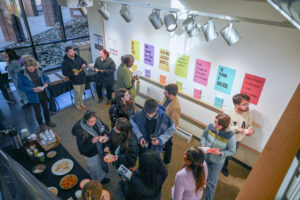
(212, 179)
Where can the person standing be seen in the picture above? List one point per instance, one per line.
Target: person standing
(172, 107)
(125, 78)
(105, 68)
(35, 84)
(73, 67)
(151, 128)
(190, 181)
(217, 135)
(13, 68)
(241, 122)
(87, 132)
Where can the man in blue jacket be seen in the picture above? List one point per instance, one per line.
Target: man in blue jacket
(153, 129)
(34, 83)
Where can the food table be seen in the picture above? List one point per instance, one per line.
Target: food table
(47, 177)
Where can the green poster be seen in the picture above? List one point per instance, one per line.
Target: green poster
(182, 66)
(179, 84)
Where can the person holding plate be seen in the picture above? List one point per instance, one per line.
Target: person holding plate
(217, 135)
(87, 132)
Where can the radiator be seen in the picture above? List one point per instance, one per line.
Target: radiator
(184, 134)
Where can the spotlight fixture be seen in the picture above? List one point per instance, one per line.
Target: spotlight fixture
(82, 3)
(103, 11)
(209, 31)
(155, 19)
(126, 14)
(230, 34)
(170, 20)
(190, 26)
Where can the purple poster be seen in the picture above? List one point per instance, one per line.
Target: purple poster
(149, 54)
(147, 73)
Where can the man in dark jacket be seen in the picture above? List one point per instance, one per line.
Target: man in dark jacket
(73, 67)
(151, 128)
(34, 83)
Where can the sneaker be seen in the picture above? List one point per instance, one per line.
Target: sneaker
(51, 124)
(225, 172)
(79, 107)
(83, 106)
(105, 180)
(42, 128)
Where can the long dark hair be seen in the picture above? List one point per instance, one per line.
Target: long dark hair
(125, 128)
(150, 165)
(12, 55)
(196, 157)
(120, 104)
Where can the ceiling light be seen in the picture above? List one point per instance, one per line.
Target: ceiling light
(103, 11)
(209, 31)
(155, 19)
(190, 26)
(170, 20)
(126, 14)
(230, 34)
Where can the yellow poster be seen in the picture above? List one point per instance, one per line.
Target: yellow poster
(179, 84)
(182, 66)
(164, 59)
(134, 68)
(135, 49)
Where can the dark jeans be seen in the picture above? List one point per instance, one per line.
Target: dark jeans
(168, 151)
(5, 92)
(37, 108)
(99, 86)
(229, 157)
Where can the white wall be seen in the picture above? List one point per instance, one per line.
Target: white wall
(266, 51)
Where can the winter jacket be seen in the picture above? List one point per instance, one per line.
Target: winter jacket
(13, 69)
(223, 140)
(107, 76)
(116, 111)
(69, 65)
(164, 128)
(135, 189)
(173, 110)
(26, 85)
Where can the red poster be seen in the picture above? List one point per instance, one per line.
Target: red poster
(162, 79)
(252, 86)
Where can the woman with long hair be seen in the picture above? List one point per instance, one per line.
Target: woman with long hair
(147, 181)
(190, 181)
(92, 191)
(87, 132)
(125, 143)
(105, 68)
(122, 106)
(13, 68)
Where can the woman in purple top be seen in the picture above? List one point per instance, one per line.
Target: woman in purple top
(190, 181)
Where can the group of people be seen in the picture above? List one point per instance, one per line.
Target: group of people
(142, 134)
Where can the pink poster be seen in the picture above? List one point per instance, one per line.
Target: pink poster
(252, 86)
(201, 73)
(197, 93)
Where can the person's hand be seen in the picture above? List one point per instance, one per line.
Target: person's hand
(123, 179)
(216, 152)
(116, 158)
(241, 130)
(37, 90)
(101, 70)
(155, 141)
(135, 78)
(95, 140)
(250, 131)
(106, 149)
(202, 145)
(76, 73)
(46, 85)
(142, 141)
(83, 65)
(133, 169)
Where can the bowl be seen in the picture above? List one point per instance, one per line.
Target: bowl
(51, 154)
(38, 169)
(53, 190)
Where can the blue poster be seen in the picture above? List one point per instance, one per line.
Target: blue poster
(224, 79)
(218, 102)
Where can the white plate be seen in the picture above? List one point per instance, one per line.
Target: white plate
(204, 148)
(63, 169)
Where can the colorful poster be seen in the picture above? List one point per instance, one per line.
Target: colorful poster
(148, 54)
(252, 86)
(135, 49)
(182, 66)
(162, 79)
(179, 84)
(147, 73)
(164, 56)
(201, 73)
(224, 79)
(218, 102)
(197, 93)
(134, 67)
